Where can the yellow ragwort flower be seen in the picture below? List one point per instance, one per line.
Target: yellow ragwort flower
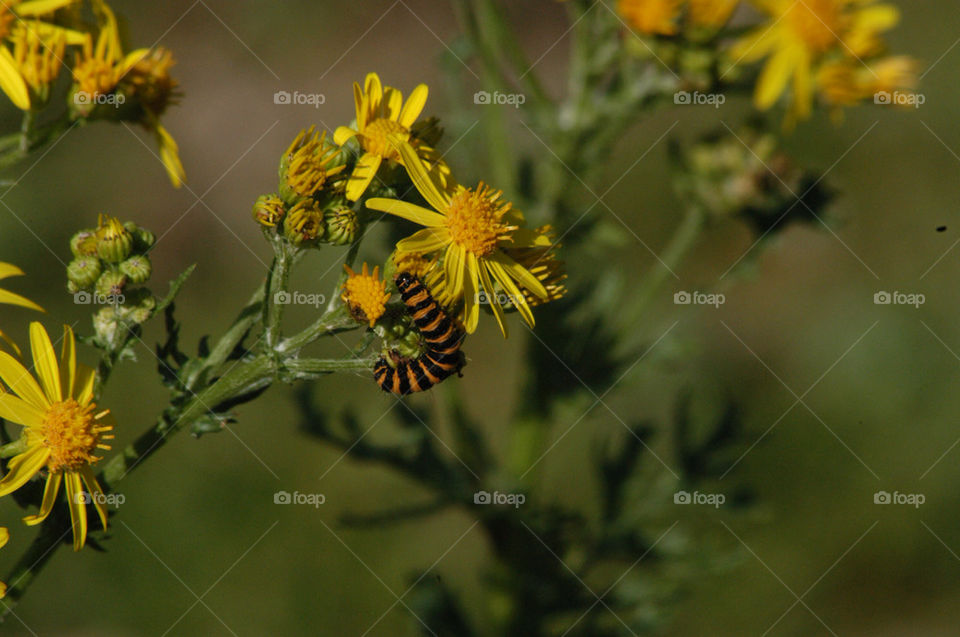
(653, 17)
(307, 164)
(39, 62)
(142, 75)
(365, 294)
(800, 36)
(472, 228)
(62, 429)
(18, 18)
(9, 298)
(381, 114)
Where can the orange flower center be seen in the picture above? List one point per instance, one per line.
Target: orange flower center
(72, 433)
(817, 22)
(366, 295)
(474, 219)
(376, 137)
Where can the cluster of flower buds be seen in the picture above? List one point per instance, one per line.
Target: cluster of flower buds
(109, 262)
(310, 207)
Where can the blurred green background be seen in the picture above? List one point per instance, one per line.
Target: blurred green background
(199, 518)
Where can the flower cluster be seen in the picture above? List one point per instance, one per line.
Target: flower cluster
(38, 38)
(475, 248)
(109, 262)
(831, 50)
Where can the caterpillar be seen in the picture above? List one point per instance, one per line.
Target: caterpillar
(441, 357)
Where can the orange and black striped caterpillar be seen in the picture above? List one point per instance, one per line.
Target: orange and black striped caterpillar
(441, 356)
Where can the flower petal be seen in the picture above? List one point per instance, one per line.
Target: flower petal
(96, 491)
(454, 263)
(83, 384)
(23, 467)
(10, 298)
(9, 270)
(363, 174)
(374, 95)
(493, 298)
(17, 378)
(425, 241)
(342, 134)
(78, 510)
(408, 211)
(520, 274)
(12, 82)
(471, 310)
(4, 536)
(392, 103)
(516, 296)
(420, 176)
(10, 342)
(359, 106)
(170, 156)
(42, 7)
(414, 106)
(774, 77)
(50, 492)
(68, 361)
(45, 362)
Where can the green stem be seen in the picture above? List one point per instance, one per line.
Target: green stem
(278, 282)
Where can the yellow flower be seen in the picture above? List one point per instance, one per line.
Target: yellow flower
(9, 298)
(846, 82)
(472, 228)
(803, 34)
(142, 75)
(651, 16)
(710, 13)
(365, 294)
(306, 165)
(39, 62)
(542, 262)
(16, 18)
(62, 429)
(4, 538)
(381, 114)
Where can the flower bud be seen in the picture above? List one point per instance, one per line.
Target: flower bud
(137, 268)
(110, 283)
(269, 210)
(84, 243)
(304, 223)
(114, 242)
(83, 272)
(143, 240)
(342, 225)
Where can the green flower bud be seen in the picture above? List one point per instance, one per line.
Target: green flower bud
(342, 226)
(143, 240)
(114, 242)
(110, 283)
(304, 223)
(269, 210)
(84, 272)
(138, 306)
(84, 243)
(137, 268)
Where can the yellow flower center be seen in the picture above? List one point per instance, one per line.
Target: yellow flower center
(816, 22)
(72, 433)
(474, 219)
(366, 295)
(7, 17)
(376, 137)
